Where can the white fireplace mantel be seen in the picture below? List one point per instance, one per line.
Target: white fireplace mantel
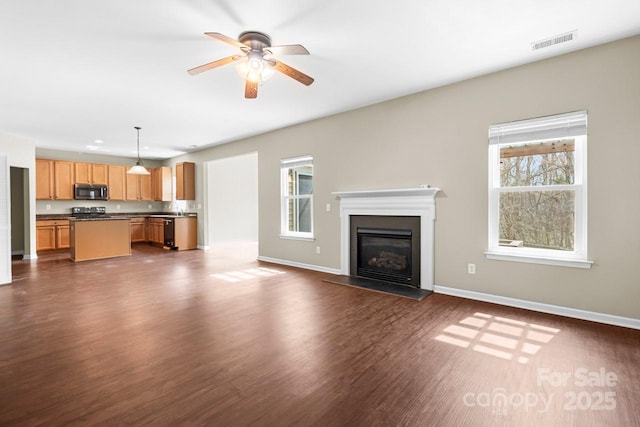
(399, 202)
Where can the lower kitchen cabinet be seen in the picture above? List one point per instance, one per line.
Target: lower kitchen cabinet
(156, 231)
(52, 235)
(138, 230)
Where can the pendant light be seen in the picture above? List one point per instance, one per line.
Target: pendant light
(138, 169)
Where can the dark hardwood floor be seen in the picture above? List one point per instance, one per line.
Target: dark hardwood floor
(217, 338)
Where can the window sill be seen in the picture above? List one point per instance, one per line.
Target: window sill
(303, 238)
(562, 262)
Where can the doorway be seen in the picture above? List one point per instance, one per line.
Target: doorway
(19, 184)
(232, 199)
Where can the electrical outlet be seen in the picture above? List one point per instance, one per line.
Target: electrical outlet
(149, 206)
(117, 206)
(47, 207)
(471, 268)
(317, 249)
(328, 207)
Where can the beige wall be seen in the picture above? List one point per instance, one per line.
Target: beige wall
(439, 137)
(21, 153)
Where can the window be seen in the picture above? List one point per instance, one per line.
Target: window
(537, 190)
(297, 197)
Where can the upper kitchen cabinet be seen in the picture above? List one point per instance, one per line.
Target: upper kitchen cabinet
(91, 173)
(161, 183)
(117, 182)
(138, 187)
(44, 179)
(63, 180)
(54, 180)
(185, 181)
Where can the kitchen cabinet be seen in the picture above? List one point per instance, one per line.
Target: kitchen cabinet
(161, 183)
(63, 180)
(54, 179)
(185, 181)
(44, 179)
(90, 173)
(156, 231)
(138, 187)
(117, 182)
(138, 230)
(52, 235)
(185, 232)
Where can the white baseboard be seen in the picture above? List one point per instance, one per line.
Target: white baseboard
(300, 265)
(575, 313)
(30, 257)
(203, 247)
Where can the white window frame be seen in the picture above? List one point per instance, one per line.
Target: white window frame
(285, 165)
(569, 125)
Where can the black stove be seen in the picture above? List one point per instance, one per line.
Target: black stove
(92, 212)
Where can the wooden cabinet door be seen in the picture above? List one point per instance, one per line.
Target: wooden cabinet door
(99, 174)
(63, 180)
(90, 173)
(45, 237)
(185, 181)
(62, 237)
(131, 186)
(44, 179)
(161, 184)
(138, 230)
(144, 186)
(117, 182)
(82, 173)
(157, 230)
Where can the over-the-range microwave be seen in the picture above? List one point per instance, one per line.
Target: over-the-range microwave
(91, 192)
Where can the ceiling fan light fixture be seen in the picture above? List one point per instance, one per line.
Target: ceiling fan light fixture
(139, 168)
(254, 68)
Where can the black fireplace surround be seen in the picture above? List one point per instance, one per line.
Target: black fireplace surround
(385, 248)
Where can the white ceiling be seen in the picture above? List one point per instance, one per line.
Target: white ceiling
(76, 71)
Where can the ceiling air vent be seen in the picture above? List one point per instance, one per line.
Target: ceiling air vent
(561, 38)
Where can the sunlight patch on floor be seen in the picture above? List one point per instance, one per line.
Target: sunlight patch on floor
(508, 339)
(248, 274)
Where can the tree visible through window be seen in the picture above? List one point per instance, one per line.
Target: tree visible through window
(297, 197)
(535, 214)
(538, 187)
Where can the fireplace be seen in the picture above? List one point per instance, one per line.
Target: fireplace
(416, 203)
(386, 248)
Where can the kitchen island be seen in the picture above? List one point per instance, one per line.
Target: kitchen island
(97, 238)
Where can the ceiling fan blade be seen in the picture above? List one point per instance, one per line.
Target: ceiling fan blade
(292, 72)
(214, 64)
(291, 49)
(250, 89)
(226, 39)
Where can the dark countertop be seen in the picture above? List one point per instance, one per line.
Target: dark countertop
(105, 218)
(125, 215)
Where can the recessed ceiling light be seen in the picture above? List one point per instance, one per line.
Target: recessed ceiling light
(98, 141)
(192, 146)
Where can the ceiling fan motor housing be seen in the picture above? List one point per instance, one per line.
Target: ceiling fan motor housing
(255, 40)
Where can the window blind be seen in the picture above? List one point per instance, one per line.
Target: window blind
(550, 127)
(296, 162)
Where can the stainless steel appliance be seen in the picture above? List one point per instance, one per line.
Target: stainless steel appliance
(91, 192)
(89, 212)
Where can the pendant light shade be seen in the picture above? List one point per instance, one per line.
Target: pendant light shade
(139, 168)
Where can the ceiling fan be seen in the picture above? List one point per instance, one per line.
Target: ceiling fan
(256, 63)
